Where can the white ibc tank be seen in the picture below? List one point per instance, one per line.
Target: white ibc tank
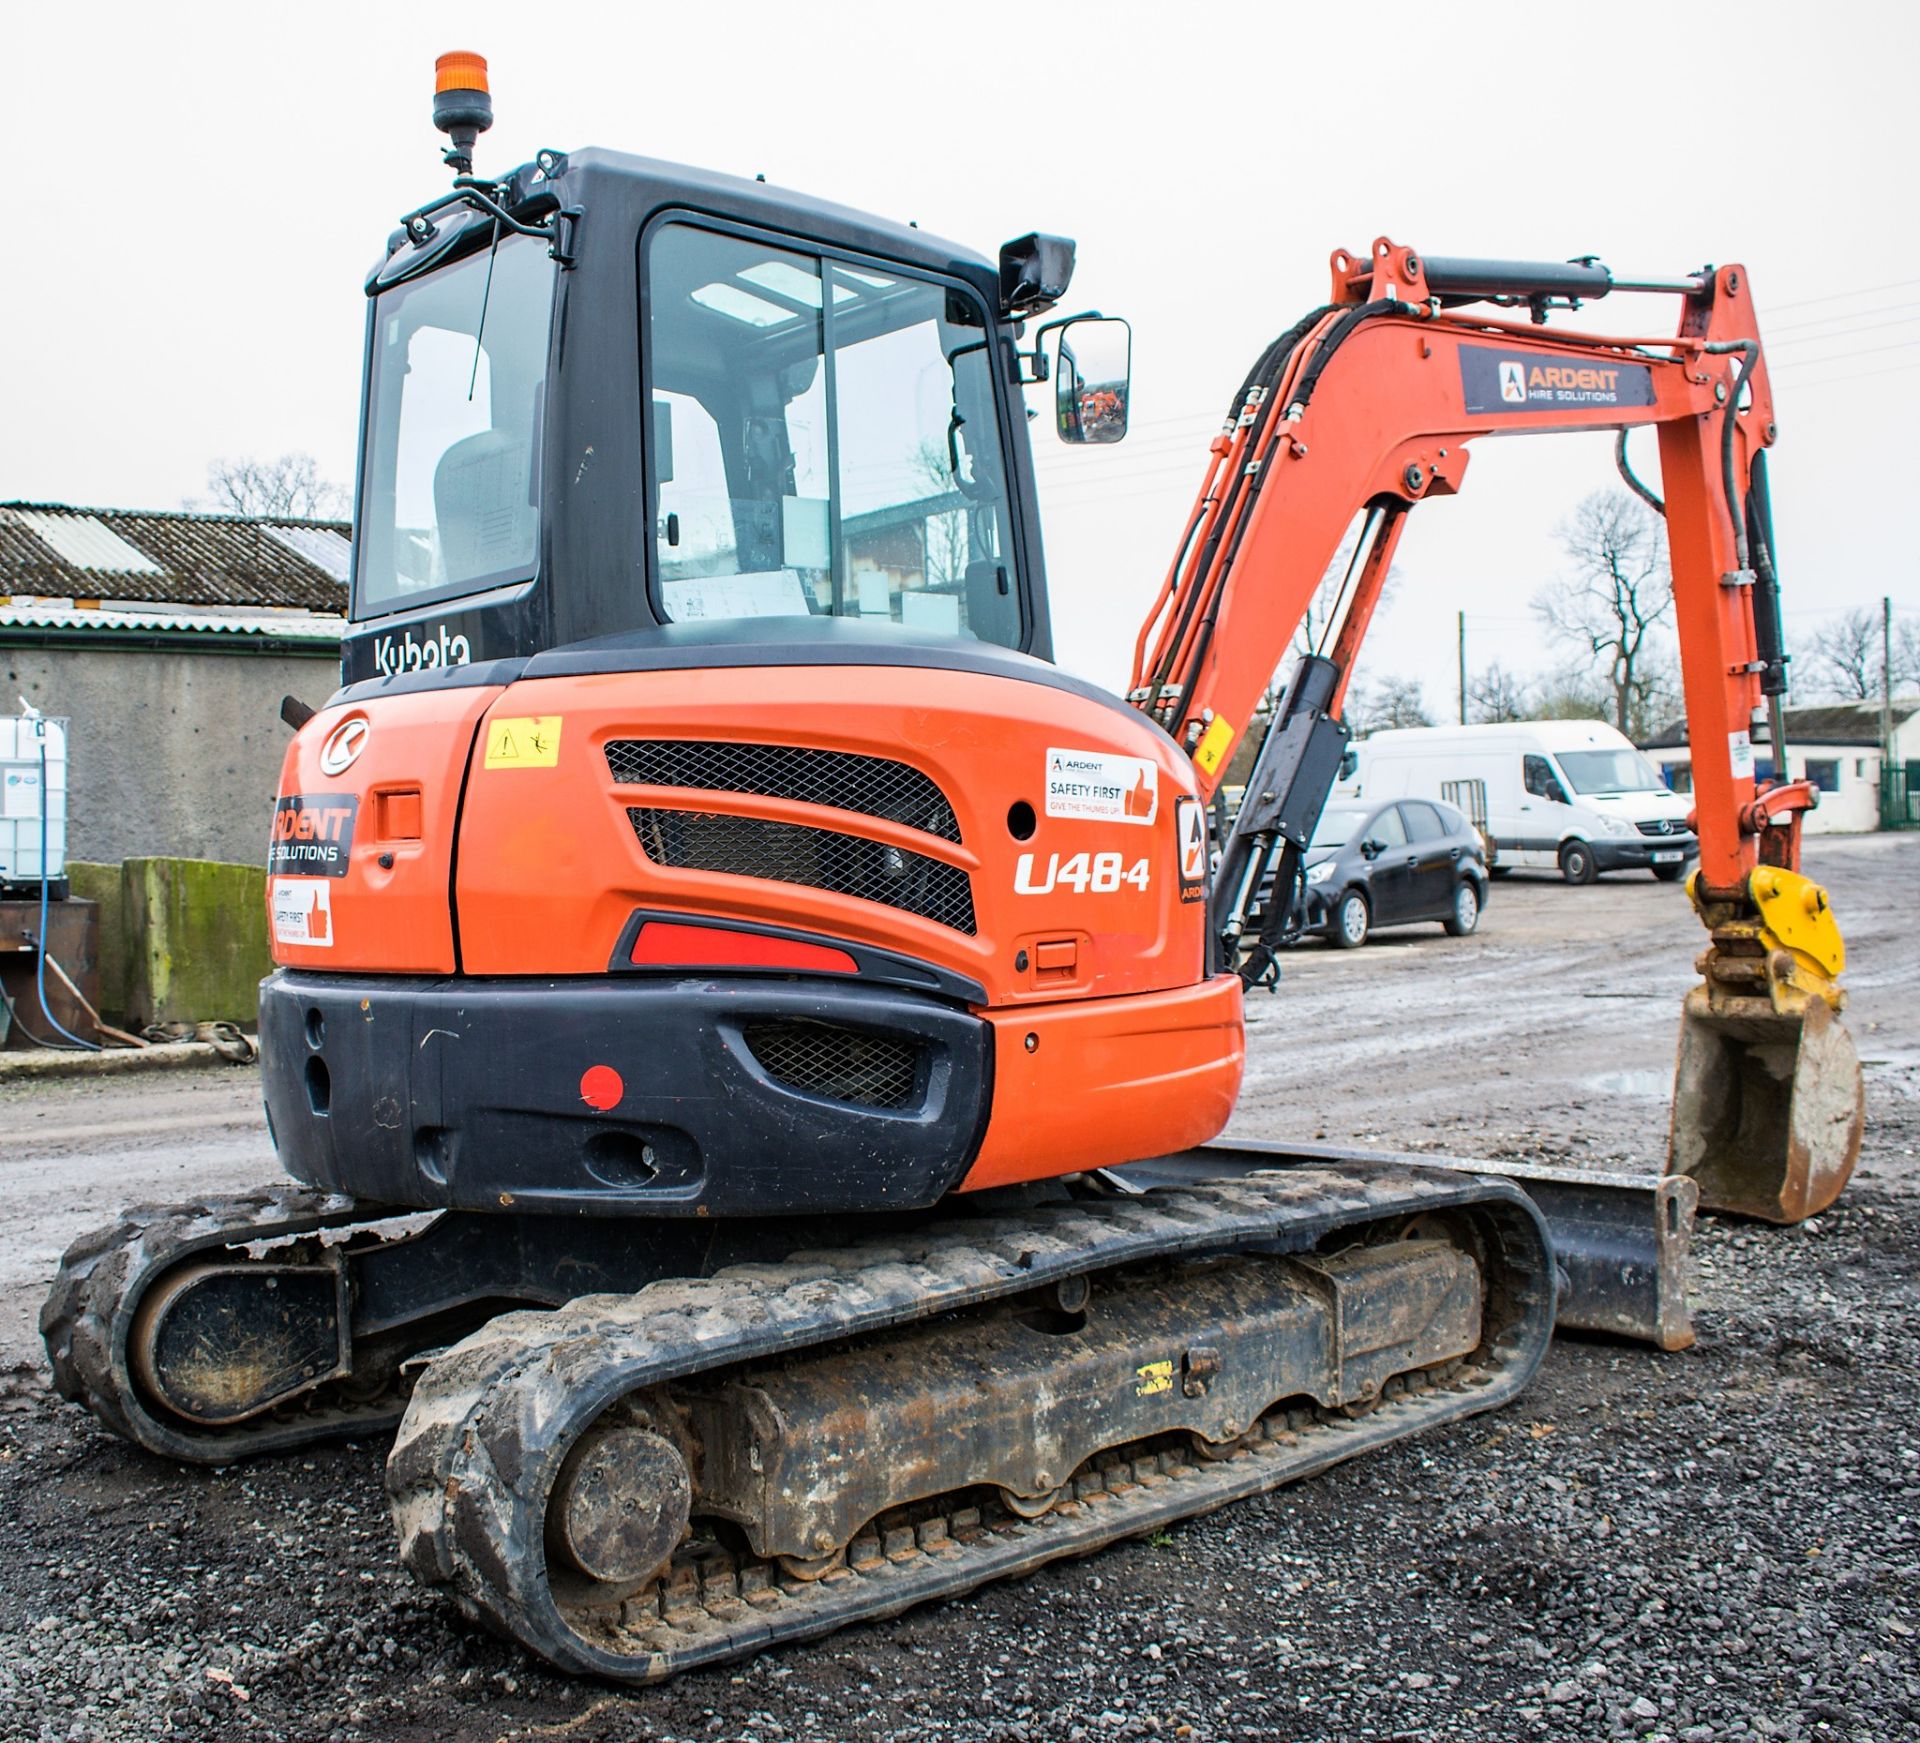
(22, 797)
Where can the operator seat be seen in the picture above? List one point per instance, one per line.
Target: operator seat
(480, 502)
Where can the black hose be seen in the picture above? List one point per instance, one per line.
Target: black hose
(1337, 335)
(1627, 472)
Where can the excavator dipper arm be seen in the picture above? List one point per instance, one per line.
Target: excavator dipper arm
(1367, 407)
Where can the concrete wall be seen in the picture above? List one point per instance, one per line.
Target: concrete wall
(175, 752)
(1853, 809)
(180, 941)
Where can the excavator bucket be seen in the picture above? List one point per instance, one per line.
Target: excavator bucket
(1768, 1103)
(1768, 1110)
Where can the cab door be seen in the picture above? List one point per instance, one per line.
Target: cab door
(1544, 813)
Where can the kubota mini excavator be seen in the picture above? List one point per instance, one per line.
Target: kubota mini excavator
(726, 969)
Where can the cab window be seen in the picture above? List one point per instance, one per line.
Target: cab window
(825, 441)
(1542, 782)
(1387, 828)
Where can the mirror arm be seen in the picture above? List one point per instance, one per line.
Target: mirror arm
(1036, 359)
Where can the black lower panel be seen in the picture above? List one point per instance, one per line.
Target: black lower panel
(697, 1096)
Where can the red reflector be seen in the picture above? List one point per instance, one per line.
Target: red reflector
(663, 944)
(601, 1087)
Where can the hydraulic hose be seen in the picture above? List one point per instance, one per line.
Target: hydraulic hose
(1633, 481)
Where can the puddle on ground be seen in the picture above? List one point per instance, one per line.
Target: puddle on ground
(1654, 1085)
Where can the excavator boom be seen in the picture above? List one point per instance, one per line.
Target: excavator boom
(1367, 407)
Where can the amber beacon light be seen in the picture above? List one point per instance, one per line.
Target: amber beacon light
(462, 106)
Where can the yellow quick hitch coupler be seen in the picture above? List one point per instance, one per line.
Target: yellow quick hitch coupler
(1768, 1103)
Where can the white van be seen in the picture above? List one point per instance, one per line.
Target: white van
(1568, 794)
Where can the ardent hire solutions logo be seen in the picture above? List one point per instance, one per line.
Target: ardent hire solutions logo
(1513, 383)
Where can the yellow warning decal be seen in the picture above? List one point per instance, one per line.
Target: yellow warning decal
(1214, 744)
(528, 741)
(1154, 1377)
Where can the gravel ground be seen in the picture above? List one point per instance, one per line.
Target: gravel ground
(1719, 1543)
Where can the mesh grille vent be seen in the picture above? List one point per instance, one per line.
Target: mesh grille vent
(873, 1071)
(872, 786)
(789, 853)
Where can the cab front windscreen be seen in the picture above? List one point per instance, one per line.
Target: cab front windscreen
(450, 477)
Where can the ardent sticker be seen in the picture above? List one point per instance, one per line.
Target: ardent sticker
(303, 912)
(1190, 830)
(1740, 754)
(1523, 381)
(313, 833)
(1102, 788)
(530, 741)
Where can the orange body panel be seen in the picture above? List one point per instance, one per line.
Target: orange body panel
(388, 919)
(1160, 1074)
(551, 868)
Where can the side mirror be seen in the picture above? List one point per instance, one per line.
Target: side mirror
(1371, 849)
(1092, 376)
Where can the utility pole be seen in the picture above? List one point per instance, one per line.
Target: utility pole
(1886, 712)
(1463, 668)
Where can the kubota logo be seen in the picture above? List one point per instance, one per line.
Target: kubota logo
(343, 745)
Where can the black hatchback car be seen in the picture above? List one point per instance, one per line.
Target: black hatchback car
(1392, 864)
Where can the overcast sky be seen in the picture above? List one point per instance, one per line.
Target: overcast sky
(198, 190)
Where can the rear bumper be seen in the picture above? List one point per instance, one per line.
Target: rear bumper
(595, 1095)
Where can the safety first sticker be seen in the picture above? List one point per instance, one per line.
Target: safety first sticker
(527, 741)
(1190, 831)
(303, 912)
(1740, 754)
(1102, 788)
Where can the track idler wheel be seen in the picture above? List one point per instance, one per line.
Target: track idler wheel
(618, 1511)
(1768, 1110)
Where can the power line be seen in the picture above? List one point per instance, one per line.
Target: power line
(1844, 315)
(1842, 296)
(1842, 356)
(1858, 375)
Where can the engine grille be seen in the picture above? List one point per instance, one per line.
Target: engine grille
(872, 786)
(873, 1071)
(790, 853)
(1663, 826)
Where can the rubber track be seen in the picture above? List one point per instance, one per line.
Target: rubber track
(104, 1276)
(492, 1418)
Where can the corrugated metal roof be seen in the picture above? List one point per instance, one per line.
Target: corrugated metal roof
(1842, 723)
(319, 627)
(322, 545)
(86, 543)
(207, 560)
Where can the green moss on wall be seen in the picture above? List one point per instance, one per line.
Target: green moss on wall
(103, 885)
(195, 940)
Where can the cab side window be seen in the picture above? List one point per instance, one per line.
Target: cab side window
(1542, 782)
(1387, 828)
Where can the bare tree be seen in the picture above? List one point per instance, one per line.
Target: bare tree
(1846, 656)
(1391, 702)
(289, 488)
(1497, 695)
(1619, 591)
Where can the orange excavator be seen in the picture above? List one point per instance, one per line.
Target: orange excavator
(749, 1029)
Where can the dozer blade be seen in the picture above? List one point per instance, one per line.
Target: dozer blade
(1620, 1240)
(1768, 1103)
(1768, 1110)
